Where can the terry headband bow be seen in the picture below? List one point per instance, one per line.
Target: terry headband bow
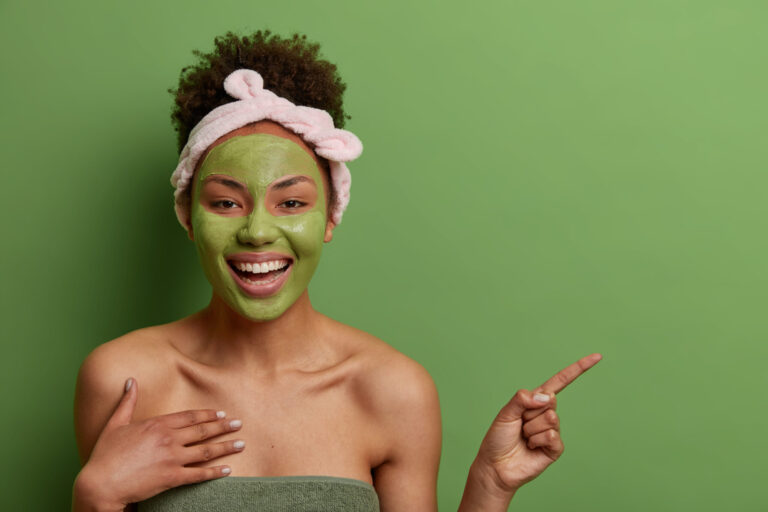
(313, 125)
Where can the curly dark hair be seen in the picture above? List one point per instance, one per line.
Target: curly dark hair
(291, 67)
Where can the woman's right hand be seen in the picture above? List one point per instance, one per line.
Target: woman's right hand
(131, 462)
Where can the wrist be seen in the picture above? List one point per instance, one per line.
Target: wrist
(88, 495)
(488, 474)
(488, 477)
(484, 491)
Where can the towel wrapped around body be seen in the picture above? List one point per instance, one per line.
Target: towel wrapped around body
(267, 494)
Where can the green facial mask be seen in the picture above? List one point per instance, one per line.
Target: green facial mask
(256, 161)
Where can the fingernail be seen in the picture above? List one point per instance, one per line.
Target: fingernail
(541, 397)
(128, 384)
(235, 424)
(221, 414)
(226, 471)
(239, 445)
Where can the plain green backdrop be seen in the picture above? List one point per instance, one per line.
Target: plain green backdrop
(541, 180)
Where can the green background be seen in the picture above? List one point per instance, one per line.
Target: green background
(541, 180)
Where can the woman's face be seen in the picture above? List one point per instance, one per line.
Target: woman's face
(258, 218)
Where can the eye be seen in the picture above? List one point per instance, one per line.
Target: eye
(292, 203)
(225, 204)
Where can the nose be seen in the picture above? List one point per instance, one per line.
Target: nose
(260, 228)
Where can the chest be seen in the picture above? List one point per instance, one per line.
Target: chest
(289, 428)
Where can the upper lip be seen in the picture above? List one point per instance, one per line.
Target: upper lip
(258, 257)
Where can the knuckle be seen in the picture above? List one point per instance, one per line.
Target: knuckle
(206, 453)
(551, 435)
(551, 416)
(520, 395)
(165, 440)
(202, 431)
(190, 417)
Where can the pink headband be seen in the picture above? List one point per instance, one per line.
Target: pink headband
(255, 103)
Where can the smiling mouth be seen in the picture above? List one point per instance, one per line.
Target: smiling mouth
(258, 274)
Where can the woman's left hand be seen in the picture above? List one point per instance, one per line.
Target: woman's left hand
(525, 436)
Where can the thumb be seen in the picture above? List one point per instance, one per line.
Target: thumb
(522, 401)
(124, 410)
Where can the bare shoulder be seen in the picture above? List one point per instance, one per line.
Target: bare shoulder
(401, 400)
(102, 376)
(393, 386)
(135, 354)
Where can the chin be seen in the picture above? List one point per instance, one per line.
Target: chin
(261, 316)
(259, 312)
(257, 309)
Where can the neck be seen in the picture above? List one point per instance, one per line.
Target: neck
(232, 341)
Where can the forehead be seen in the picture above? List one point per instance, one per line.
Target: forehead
(258, 159)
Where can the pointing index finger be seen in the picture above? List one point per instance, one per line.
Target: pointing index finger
(568, 374)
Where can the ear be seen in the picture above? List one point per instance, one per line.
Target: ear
(329, 225)
(190, 234)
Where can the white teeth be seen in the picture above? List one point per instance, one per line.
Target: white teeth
(266, 281)
(261, 268)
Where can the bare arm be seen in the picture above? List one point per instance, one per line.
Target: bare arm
(125, 462)
(99, 388)
(410, 410)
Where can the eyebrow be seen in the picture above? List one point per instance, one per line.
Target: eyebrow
(290, 182)
(226, 182)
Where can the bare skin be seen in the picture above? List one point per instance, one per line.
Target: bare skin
(338, 414)
(314, 397)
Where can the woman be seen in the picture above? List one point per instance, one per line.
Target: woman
(295, 409)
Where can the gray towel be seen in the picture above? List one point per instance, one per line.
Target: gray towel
(267, 494)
